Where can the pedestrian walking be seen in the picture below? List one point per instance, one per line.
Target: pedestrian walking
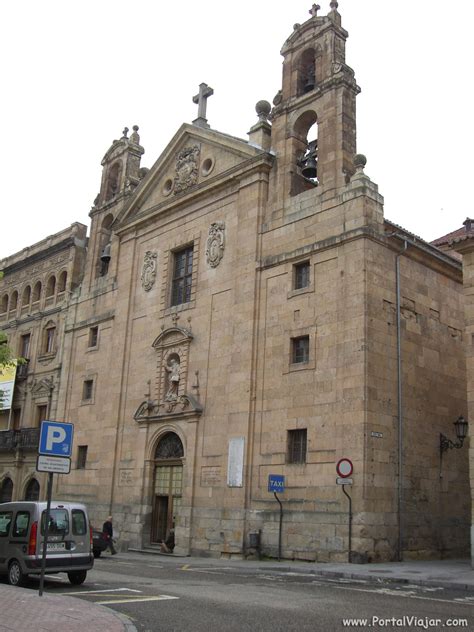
(108, 532)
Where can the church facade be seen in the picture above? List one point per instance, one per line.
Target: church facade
(244, 311)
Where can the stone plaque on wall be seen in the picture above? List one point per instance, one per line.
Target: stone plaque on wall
(125, 478)
(235, 466)
(210, 476)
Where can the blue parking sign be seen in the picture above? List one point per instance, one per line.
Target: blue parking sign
(56, 438)
(276, 483)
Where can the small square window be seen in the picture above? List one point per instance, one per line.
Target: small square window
(182, 276)
(87, 389)
(93, 336)
(297, 446)
(301, 275)
(81, 457)
(300, 350)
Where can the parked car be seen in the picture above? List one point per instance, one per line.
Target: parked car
(99, 543)
(69, 546)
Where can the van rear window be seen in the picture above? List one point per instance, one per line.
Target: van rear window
(58, 522)
(5, 522)
(79, 523)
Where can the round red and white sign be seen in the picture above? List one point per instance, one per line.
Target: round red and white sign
(344, 468)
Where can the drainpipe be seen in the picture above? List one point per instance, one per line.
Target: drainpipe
(400, 414)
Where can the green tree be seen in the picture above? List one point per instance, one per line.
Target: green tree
(6, 354)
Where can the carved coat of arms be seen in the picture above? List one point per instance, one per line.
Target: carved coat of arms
(149, 270)
(215, 244)
(186, 168)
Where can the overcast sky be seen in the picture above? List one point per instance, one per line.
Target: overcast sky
(75, 73)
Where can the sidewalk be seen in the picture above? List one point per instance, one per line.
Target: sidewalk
(22, 609)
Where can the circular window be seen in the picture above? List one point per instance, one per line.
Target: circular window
(168, 186)
(207, 166)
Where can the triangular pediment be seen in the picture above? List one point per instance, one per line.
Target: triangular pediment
(195, 160)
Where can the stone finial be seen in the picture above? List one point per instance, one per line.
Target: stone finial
(359, 161)
(467, 224)
(263, 109)
(333, 4)
(125, 132)
(135, 138)
(314, 10)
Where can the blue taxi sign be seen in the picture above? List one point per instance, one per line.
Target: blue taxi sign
(276, 483)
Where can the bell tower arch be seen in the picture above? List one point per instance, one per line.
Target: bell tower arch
(318, 98)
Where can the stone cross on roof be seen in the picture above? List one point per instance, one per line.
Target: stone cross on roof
(201, 99)
(314, 10)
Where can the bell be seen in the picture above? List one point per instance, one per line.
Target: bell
(309, 170)
(105, 256)
(309, 85)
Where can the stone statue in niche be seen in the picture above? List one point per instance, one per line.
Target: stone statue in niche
(186, 168)
(149, 270)
(215, 244)
(173, 370)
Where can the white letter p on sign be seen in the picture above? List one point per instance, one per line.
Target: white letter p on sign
(54, 435)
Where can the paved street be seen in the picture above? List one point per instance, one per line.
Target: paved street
(166, 593)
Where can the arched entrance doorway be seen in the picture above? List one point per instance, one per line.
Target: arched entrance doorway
(167, 485)
(6, 490)
(32, 490)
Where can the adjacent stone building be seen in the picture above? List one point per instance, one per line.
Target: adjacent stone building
(245, 310)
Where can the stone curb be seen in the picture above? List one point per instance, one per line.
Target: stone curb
(127, 623)
(419, 581)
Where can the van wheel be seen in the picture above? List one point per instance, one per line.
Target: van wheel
(97, 553)
(77, 577)
(16, 577)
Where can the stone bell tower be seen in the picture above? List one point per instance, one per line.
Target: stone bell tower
(121, 174)
(314, 114)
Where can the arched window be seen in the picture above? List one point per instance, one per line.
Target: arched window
(62, 281)
(105, 234)
(6, 490)
(113, 181)
(306, 152)
(32, 490)
(306, 72)
(51, 286)
(14, 301)
(26, 297)
(169, 447)
(37, 291)
(4, 305)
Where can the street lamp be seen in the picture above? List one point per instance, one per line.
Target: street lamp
(461, 433)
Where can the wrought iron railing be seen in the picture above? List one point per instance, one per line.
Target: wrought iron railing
(25, 438)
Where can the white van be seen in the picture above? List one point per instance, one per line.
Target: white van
(21, 540)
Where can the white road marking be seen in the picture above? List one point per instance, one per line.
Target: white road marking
(105, 590)
(401, 594)
(155, 565)
(136, 599)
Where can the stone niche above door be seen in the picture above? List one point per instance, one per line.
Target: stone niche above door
(171, 379)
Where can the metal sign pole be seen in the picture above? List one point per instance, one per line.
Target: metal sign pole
(46, 532)
(350, 523)
(279, 529)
